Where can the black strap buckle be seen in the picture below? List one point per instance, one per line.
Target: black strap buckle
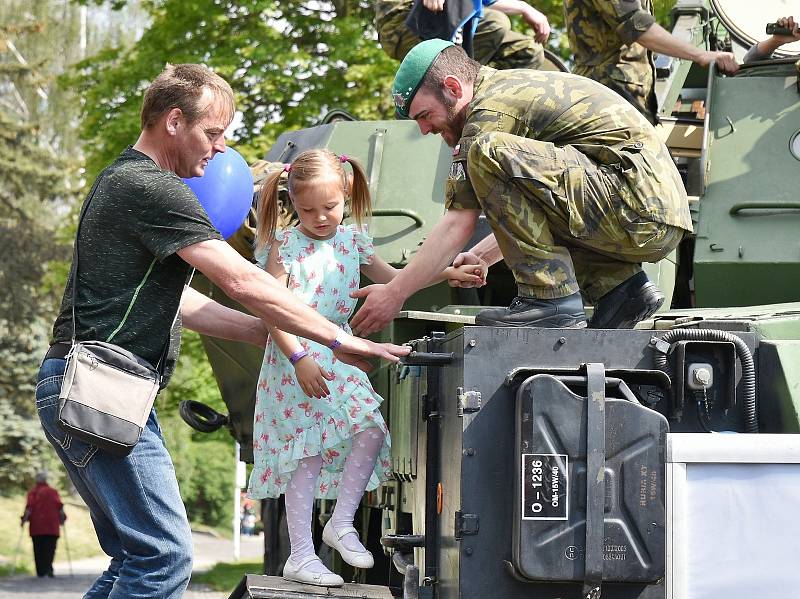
(57, 351)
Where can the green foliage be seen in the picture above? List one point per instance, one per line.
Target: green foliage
(206, 481)
(21, 349)
(204, 462)
(224, 577)
(34, 183)
(23, 449)
(8, 570)
(39, 183)
(289, 62)
(662, 10)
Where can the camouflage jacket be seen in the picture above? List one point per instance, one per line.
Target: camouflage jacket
(385, 9)
(564, 109)
(603, 34)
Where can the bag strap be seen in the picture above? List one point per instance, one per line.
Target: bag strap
(74, 269)
(74, 275)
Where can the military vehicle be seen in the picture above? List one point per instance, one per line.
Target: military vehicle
(660, 462)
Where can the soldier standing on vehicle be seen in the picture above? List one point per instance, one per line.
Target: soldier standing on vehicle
(576, 185)
(613, 43)
(495, 43)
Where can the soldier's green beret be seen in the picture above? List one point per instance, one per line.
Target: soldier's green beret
(412, 71)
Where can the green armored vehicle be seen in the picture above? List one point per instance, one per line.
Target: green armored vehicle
(661, 462)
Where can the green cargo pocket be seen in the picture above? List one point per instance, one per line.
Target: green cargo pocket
(574, 194)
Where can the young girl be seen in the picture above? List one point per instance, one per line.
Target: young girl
(318, 430)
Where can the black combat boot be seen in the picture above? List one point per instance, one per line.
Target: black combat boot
(562, 312)
(628, 303)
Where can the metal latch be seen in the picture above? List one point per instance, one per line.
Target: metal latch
(469, 402)
(465, 524)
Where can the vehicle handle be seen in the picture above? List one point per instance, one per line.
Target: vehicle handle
(398, 212)
(742, 206)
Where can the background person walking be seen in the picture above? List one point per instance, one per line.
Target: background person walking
(45, 514)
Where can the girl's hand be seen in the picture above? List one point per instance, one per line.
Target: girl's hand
(312, 377)
(434, 5)
(467, 275)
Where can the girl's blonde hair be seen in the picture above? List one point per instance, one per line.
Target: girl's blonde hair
(308, 167)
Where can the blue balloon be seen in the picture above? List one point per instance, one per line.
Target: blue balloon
(225, 191)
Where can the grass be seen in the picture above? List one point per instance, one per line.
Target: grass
(79, 535)
(225, 576)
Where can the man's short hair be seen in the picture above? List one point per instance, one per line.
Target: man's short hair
(181, 86)
(450, 61)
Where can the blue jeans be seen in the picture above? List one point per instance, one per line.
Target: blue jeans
(134, 502)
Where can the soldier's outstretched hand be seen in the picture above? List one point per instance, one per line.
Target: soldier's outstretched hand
(380, 307)
(726, 61)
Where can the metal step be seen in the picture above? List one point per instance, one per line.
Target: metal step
(255, 586)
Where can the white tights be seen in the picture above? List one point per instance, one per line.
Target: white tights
(299, 498)
(358, 468)
(299, 495)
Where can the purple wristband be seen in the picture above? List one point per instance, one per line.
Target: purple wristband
(335, 343)
(297, 356)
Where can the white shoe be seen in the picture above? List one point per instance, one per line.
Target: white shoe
(333, 538)
(299, 573)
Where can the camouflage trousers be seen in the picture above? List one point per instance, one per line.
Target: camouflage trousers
(559, 221)
(495, 43)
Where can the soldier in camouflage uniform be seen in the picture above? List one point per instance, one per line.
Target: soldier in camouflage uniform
(495, 43)
(613, 43)
(575, 183)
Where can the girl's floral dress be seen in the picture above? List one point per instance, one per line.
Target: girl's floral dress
(289, 425)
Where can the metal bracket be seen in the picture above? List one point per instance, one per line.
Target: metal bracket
(594, 593)
(466, 525)
(376, 162)
(418, 358)
(430, 406)
(689, 8)
(469, 402)
(287, 151)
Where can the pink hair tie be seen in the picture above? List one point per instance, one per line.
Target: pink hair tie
(344, 158)
(287, 168)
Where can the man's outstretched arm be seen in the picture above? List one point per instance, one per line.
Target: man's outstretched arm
(261, 294)
(657, 39)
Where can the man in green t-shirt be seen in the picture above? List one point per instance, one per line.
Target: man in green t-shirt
(141, 232)
(575, 183)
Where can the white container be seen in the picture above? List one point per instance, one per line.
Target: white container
(733, 516)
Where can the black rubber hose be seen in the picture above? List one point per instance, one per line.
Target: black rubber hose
(748, 381)
(201, 417)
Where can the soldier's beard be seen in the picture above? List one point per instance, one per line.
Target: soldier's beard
(454, 126)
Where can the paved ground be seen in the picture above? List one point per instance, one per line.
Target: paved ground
(208, 551)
